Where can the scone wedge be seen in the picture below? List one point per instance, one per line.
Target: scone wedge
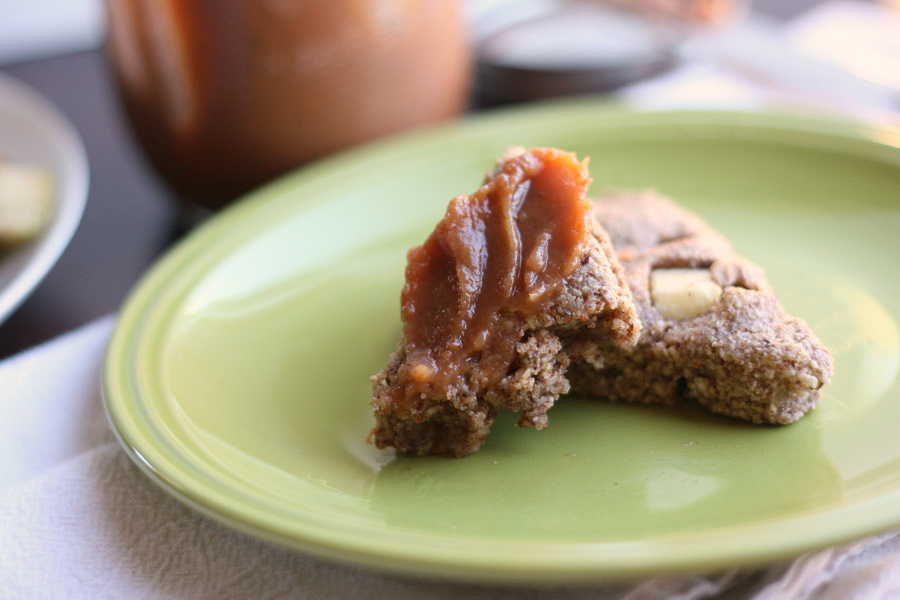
(713, 329)
(513, 285)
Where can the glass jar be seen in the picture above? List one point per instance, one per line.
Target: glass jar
(224, 95)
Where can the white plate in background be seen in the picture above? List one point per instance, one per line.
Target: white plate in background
(33, 131)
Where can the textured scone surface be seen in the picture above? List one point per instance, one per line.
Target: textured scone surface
(750, 359)
(504, 293)
(744, 356)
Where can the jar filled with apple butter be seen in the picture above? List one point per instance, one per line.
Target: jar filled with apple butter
(224, 95)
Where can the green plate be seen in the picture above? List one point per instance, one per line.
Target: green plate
(238, 376)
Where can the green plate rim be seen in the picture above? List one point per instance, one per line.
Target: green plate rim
(144, 314)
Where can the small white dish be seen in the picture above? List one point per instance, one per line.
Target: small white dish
(33, 131)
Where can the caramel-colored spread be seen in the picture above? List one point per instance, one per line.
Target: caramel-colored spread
(494, 261)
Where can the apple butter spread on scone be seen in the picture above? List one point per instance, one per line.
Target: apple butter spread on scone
(713, 330)
(513, 285)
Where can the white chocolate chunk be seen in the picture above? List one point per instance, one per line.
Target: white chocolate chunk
(26, 202)
(807, 380)
(683, 293)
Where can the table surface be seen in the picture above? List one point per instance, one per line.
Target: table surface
(130, 218)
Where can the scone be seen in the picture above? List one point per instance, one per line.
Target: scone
(713, 330)
(514, 284)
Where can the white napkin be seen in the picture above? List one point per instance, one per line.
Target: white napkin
(79, 520)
